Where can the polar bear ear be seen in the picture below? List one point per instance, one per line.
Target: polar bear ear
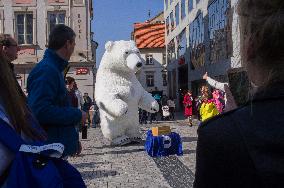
(109, 45)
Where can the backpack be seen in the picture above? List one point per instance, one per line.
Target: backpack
(37, 165)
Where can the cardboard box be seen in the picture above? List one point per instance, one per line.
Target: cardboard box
(163, 130)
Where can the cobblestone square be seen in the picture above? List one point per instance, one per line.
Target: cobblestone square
(103, 166)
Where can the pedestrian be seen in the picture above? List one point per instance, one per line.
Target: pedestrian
(218, 100)
(96, 115)
(172, 107)
(244, 147)
(87, 103)
(208, 108)
(187, 102)
(70, 82)
(48, 96)
(10, 48)
(15, 112)
(79, 96)
(229, 101)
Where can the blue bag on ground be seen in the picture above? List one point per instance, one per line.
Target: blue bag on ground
(164, 145)
(38, 166)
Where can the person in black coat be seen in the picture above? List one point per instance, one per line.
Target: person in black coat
(245, 147)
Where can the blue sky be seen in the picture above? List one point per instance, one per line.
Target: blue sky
(114, 19)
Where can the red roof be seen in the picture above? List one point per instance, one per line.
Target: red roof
(149, 35)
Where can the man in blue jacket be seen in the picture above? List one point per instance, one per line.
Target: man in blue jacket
(47, 94)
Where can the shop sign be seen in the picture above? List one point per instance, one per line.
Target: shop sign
(82, 71)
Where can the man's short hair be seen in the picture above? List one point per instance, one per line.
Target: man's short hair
(5, 40)
(59, 36)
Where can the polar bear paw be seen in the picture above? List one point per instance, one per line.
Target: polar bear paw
(120, 141)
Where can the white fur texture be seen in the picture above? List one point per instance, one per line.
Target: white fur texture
(118, 93)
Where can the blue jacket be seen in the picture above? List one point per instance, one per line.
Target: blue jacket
(48, 99)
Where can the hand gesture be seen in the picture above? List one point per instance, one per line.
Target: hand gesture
(231, 104)
(205, 76)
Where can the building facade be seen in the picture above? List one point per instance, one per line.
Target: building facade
(198, 40)
(30, 22)
(150, 39)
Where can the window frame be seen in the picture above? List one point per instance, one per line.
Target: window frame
(150, 82)
(182, 9)
(56, 12)
(16, 13)
(190, 5)
(149, 59)
(177, 20)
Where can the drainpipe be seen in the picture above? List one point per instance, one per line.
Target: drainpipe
(69, 13)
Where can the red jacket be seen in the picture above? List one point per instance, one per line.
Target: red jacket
(187, 102)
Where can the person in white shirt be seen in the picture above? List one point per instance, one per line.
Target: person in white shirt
(172, 106)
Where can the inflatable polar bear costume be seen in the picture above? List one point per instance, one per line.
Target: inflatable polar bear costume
(118, 93)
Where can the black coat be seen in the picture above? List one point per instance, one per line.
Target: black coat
(244, 147)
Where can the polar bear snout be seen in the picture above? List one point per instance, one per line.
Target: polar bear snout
(134, 61)
(139, 64)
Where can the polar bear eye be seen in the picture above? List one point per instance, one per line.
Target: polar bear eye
(126, 52)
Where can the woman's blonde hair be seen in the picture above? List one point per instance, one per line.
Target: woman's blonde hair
(262, 31)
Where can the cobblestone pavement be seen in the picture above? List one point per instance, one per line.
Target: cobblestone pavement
(105, 166)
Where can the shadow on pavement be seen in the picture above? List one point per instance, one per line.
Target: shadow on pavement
(89, 165)
(188, 139)
(114, 152)
(92, 174)
(188, 151)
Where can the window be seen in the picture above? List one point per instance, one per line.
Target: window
(24, 28)
(164, 59)
(167, 25)
(197, 47)
(149, 60)
(171, 50)
(55, 18)
(172, 21)
(177, 14)
(166, 4)
(190, 5)
(164, 79)
(218, 30)
(150, 80)
(182, 9)
(181, 41)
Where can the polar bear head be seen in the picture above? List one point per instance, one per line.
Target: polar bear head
(122, 55)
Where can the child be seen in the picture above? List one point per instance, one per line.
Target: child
(166, 112)
(208, 108)
(172, 106)
(187, 102)
(218, 100)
